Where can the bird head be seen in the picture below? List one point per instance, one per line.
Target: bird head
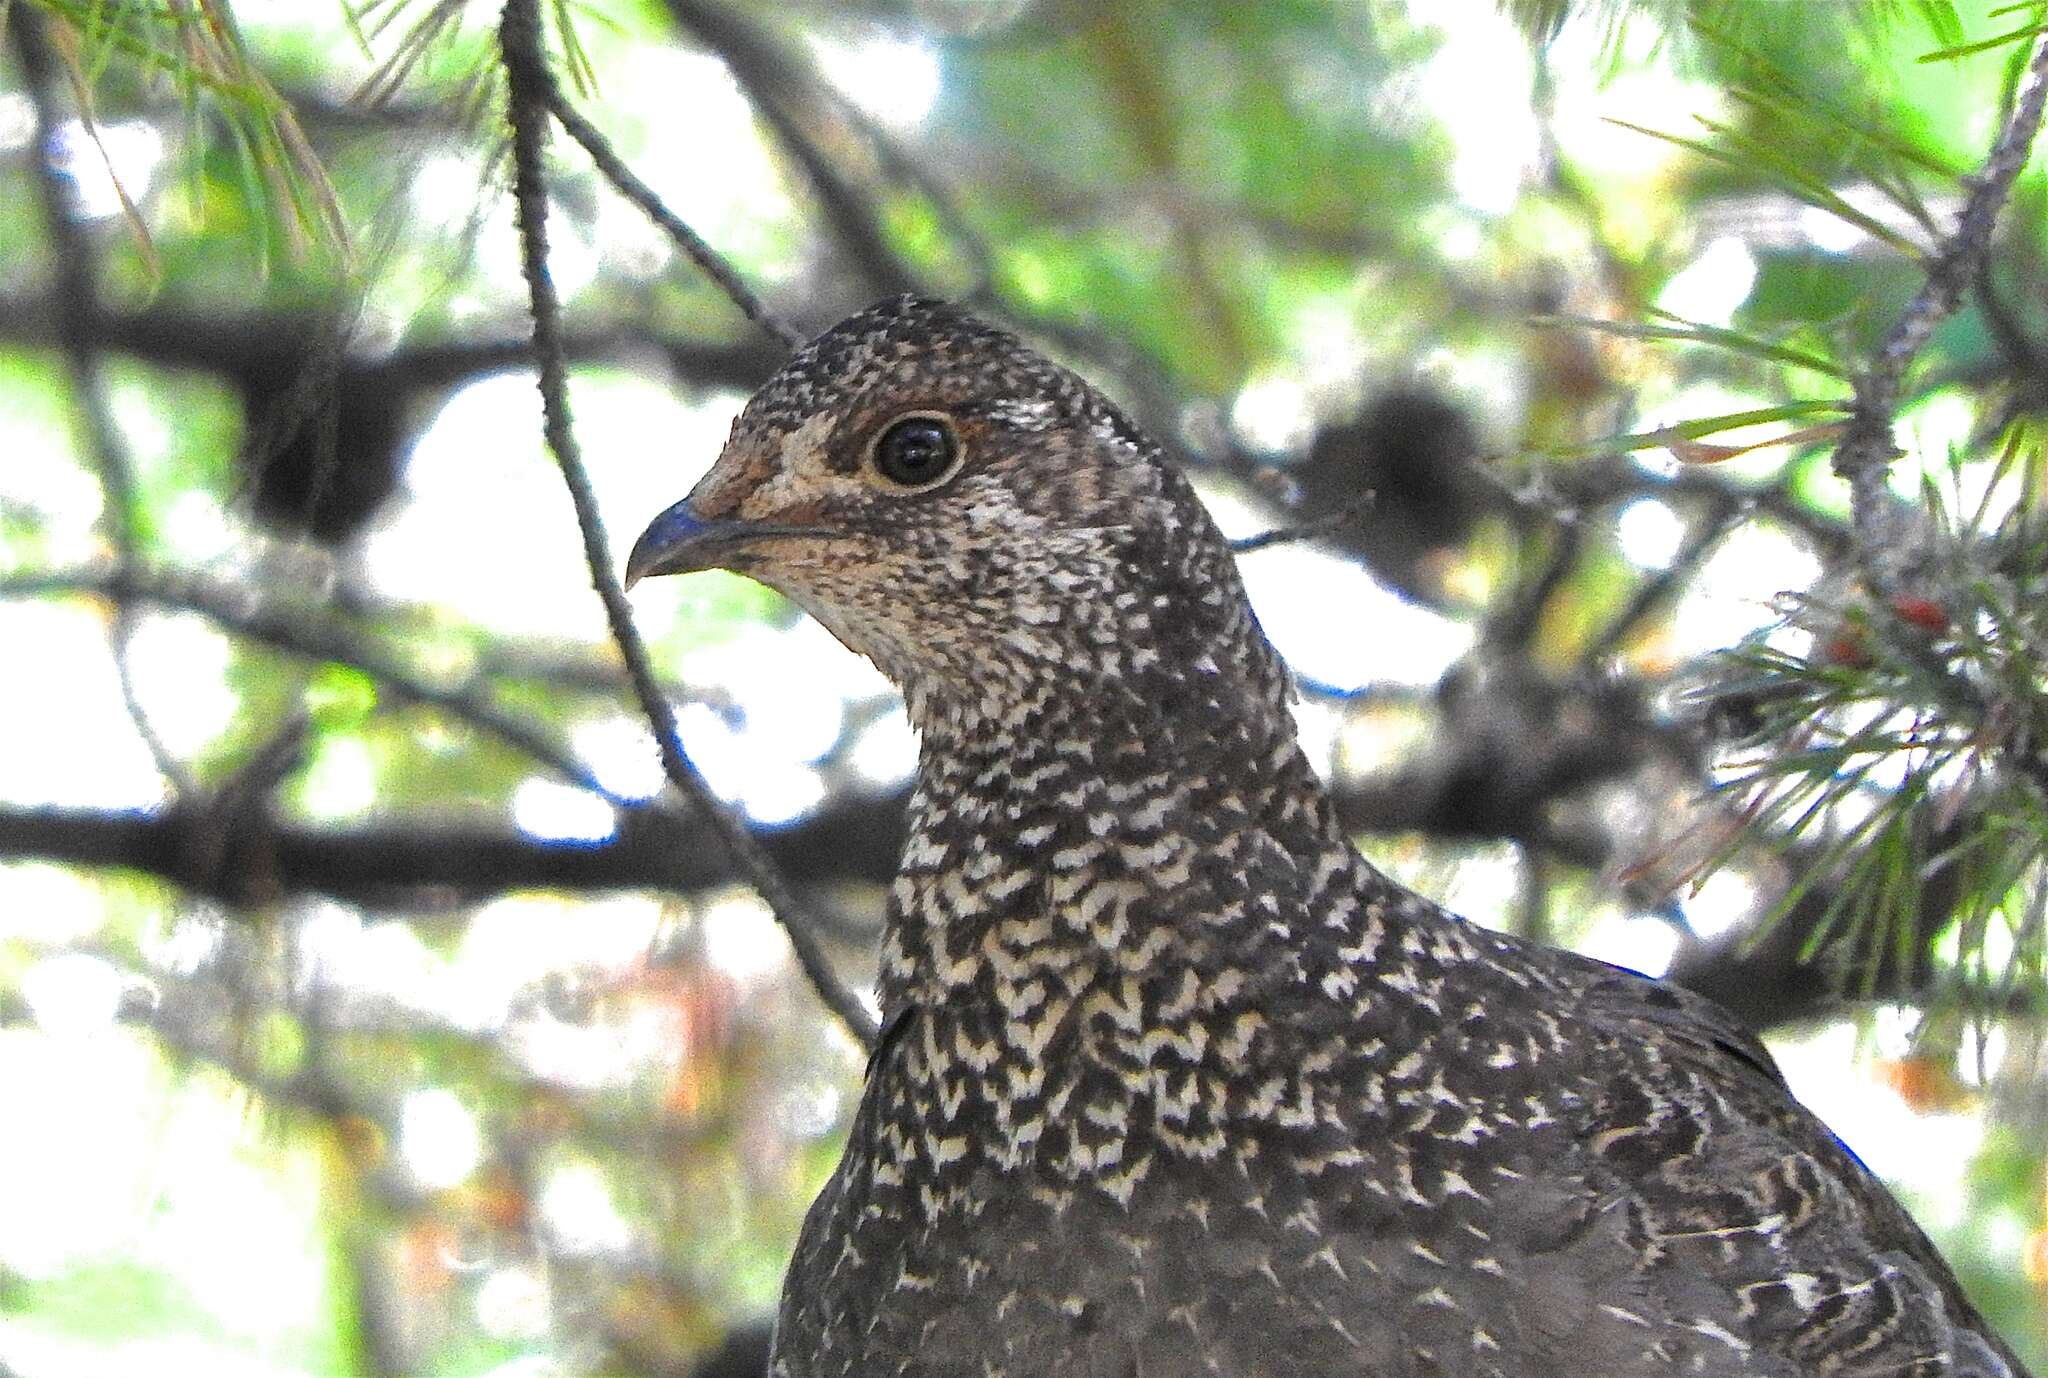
(971, 516)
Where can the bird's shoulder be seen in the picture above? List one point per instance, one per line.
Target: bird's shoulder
(1645, 1013)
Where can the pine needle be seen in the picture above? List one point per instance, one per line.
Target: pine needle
(1982, 45)
(64, 38)
(1786, 174)
(1684, 331)
(1663, 436)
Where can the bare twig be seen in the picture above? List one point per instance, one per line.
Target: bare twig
(530, 100)
(1532, 498)
(1532, 902)
(1511, 626)
(1333, 520)
(296, 633)
(1883, 524)
(1728, 512)
(77, 295)
(1611, 478)
(241, 343)
(910, 170)
(775, 79)
(708, 260)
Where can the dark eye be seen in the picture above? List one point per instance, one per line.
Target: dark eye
(916, 451)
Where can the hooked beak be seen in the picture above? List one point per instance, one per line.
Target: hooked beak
(679, 541)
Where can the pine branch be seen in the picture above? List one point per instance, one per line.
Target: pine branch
(195, 47)
(1887, 540)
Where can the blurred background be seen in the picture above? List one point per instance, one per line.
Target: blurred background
(360, 1014)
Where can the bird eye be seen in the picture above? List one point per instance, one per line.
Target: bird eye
(916, 451)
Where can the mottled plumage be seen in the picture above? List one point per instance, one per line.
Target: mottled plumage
(1174, 1082)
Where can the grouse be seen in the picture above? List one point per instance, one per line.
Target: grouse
(1172, 1081)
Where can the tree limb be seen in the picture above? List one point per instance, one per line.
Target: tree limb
(417, 864)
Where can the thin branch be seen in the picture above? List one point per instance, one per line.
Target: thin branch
(708, 260)
(1884, 524)
(531, 96)
(1729, 512)
(1760, 975)
(297, 633)
(78, 296)
(1317, 527)
(1557, 495)
(1512, 625)
(1532, 900)
(907, 168)
(772, 77)
(1533, 498)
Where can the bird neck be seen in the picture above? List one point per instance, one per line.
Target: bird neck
(1086, 834)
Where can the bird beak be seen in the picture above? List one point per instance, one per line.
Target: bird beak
(679, 541)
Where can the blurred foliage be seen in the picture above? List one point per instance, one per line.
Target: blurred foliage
(1579, 293)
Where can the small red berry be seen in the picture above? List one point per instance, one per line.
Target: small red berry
(1924, 613)
(1848, 647)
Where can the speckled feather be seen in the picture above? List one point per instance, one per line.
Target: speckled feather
(1173, 1081)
